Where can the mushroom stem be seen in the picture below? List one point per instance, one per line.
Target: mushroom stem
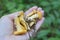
(33, 17)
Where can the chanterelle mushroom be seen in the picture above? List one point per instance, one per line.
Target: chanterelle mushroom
(33, 16)
(24, 24)
(21, 25)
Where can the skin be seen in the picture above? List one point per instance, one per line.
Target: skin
(6, 26)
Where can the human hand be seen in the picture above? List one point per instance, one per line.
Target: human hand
(7, 26)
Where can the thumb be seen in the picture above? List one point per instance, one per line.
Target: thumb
(13, 15)
(6, 24)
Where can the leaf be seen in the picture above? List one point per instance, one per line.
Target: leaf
(55, 4)
(10, 5)
(43, 33)
(46, 22)
(13, 10)
(56, 14)
(1, 13)
(20, 7)
(57, 33)
(44, 3)
(51, 18)
(47, 9)
(58, 21)
(52, 38)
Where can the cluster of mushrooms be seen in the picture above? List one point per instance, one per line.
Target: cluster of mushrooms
(24, 23)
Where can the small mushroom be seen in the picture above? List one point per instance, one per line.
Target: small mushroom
(32, 23)
(39, 14)
(19, 28)
(33, 16)
(21, 25)
(32, 13)
(21, 22)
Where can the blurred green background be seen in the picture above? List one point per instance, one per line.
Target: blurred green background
(50, 29)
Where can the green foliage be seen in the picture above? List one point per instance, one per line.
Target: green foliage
(43, 33)
(50, 30)
(54, 38)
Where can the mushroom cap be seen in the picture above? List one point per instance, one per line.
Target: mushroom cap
(31, 13)
(20, 32)
(21, 13)
(39, 14)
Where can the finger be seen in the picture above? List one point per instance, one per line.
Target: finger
(39, 23)
(42, 11)
(31, 9)
(7, 24)
(13, 15)
(17, 37)
(32, 32)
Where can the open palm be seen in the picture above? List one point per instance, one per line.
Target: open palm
(7, 26)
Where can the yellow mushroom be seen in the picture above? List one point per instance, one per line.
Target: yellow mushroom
(19, 28)
(22, 21)
(30, 14)
(34, 14)
(39, 14)
(32, 23)
(21, 25)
